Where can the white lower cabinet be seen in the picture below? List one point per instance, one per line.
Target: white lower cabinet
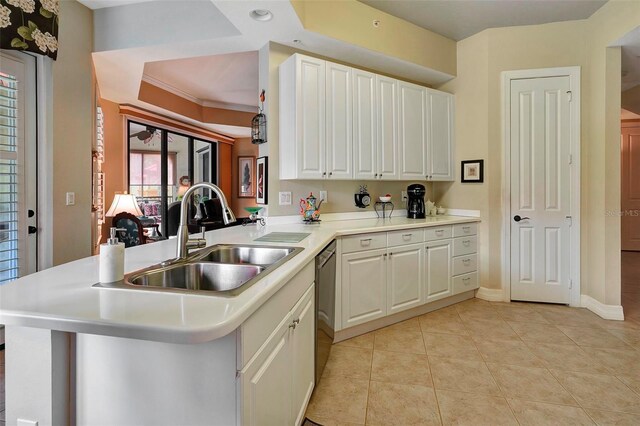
(404, 278)
(437, 270)
(364, 286)
(277, 383)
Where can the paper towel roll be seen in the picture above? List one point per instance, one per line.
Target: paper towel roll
(111, 262)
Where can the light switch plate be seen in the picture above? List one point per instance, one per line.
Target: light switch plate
(71, 198)
(324, 196)
(285, 198)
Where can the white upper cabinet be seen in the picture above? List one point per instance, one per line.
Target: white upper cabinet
(339, 122)
(413, 131)
(439, 153)
(365, 139)
(339, 134)
(387, 149)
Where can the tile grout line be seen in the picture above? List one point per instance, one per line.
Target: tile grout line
(433, 385)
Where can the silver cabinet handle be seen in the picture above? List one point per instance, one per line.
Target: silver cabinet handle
(439, 231)
(466, 261)
(466, 279)
(466, 228)
(407, 236)
(294, 324)
(365, 242)
(466, 243)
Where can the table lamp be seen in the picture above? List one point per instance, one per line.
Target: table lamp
(124, 203)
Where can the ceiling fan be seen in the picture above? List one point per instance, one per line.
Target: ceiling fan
(145, 135)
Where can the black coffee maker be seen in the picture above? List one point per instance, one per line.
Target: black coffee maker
(415, 202)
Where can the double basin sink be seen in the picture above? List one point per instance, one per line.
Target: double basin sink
(223, 269)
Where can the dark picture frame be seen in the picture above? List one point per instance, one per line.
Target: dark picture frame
(472, 171)
(246, 177)
(262, 179)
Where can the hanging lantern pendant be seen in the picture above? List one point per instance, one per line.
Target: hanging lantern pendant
(259, 124)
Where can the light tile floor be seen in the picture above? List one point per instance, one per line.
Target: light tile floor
(482, 363)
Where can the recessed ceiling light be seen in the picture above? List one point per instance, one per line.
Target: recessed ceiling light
(297, 41)
(261, 15)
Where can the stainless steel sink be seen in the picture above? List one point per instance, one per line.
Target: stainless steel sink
(235, 254)
(221, 270)
(200, 276)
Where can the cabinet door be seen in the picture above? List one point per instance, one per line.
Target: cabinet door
(437, 270)
(310, 117)
(365, 138)
(339, 135)
(404, 278)
(440, 142)
(303, 354)
(364, 286)
(387, 149)
(413, 131)
(266, 382)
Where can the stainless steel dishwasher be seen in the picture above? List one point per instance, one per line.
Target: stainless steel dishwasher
(325, 305)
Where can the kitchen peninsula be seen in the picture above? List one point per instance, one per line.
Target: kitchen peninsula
(138, 356)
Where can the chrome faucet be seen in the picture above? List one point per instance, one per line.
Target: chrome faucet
(184, 243)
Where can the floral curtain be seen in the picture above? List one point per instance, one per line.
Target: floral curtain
(30, 25)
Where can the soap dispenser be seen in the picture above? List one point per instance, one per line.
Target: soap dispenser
(112, 259)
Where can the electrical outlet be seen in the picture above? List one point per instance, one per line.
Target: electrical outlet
(285, 198)
(324, 196)
(71, 198)
(404, 196)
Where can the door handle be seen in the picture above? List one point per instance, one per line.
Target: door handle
(31, 213)
(517, 218)
(32, 229)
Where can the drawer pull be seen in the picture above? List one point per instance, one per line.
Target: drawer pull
(466, 261)
(466, 228)
(466, 243)
(466, 279)
(407, 236)
(365, 242)
(439, 231)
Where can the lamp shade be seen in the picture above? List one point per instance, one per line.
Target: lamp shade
(124, 203)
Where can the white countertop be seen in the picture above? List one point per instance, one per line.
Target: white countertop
(63, 298)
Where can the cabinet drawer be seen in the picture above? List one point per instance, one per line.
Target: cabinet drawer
(465, 264)
(437, 233)
(399, 238)
(364, 242)
(465, 282)
(464, 229)
(464, 245)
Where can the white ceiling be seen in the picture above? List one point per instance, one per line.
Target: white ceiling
(229, 80)
(630, 44)
(462, 18)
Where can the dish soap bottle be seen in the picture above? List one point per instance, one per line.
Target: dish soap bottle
(112, 259)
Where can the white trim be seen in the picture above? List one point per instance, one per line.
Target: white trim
(608, 312)
(202, 102)
(574, 75)
(45, 162)
(490, 294)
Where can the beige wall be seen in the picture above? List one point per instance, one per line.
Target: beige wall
(73, 133)
(340, 193)
(481, 59)
(241, 147)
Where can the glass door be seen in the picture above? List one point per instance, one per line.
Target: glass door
(18, 173)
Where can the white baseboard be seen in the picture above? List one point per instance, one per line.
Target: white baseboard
(490, 294)
(609, 312)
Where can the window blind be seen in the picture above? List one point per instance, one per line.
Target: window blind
(9, 172)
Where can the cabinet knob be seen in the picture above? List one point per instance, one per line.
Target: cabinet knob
(380, 175)
(375, 176)
(324, 173)
(330, 173)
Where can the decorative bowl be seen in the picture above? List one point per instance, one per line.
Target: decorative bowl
(385, 199)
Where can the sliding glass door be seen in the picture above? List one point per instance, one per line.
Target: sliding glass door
(162, 165)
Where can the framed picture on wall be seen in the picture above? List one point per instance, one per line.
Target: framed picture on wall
(246, 177)
(262, 166)
(472, 171)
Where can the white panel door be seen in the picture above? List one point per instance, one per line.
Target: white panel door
(339, 122)
(387, 149)
(412, 131)
(310, 116)
(303, 345)
(364, 286)
(630, 185)
(404, 278)
(266, 382)
(540, 190)
(439, 152)
(365, 138)
(437, 270)
(18, 160)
